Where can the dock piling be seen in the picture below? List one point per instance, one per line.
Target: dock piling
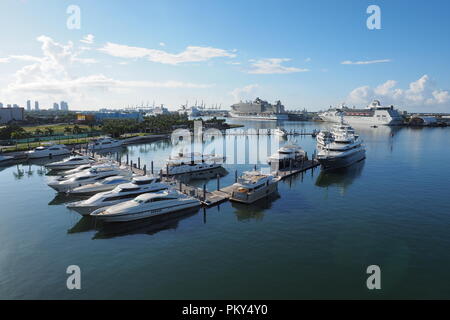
(139, 162)
(218, 181)
(151, 167)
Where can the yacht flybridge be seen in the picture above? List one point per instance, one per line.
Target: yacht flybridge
(339, 147)
(121, 193)
(146, 206)
(104, 143)
(252, 186)
(70, 163)
(67, 183)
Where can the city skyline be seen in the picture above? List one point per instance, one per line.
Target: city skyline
(296, 52)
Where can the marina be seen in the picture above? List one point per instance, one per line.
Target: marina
(313, 220)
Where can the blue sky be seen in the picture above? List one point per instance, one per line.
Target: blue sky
(224, 51)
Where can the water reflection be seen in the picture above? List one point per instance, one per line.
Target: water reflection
(341, 178)
(255, 210)
(148, 226)
(62, 198)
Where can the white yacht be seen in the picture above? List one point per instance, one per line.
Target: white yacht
(70, 163)
(106, 184)
(121, 193)
(374, 114)
(67, 183)
(6, 160)
(146, 206)
(191, 168)
(197, 157)
(48, 150)
(286, 153)
(339, 147)
(104, 143)
(78, 169)
(252, 186)
(193, 164)
(280, 132)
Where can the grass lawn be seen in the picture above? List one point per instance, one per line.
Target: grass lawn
(57, 128)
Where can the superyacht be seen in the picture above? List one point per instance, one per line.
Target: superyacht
(340, 147)
(374, 114)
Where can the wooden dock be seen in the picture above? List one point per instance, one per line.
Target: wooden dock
(207, 198)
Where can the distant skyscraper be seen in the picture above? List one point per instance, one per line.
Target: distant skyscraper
(28, 105)
(15, 105)
(1, 105)
(55, 106)
(8, 105)
(36, 105)
(63, 106)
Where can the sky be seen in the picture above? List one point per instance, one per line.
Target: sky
(308, 54)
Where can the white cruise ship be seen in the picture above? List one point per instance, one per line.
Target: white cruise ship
(340, 147)
(374, 114)
(258, 110)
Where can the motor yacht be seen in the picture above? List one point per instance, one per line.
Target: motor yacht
(48, 150)
(106, 184)
(252, 186)
(70, 163)
(287, 152)
(147, 205)
(121, 193)
(104, 143)
(280, 132)
(196, 157)
(340, 147)
(67, 183)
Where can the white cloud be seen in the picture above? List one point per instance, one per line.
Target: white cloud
(419, 93)
(308, 60)
(366, 62)
(244, 93)
(162, 44)
(89, 39)
(49, 77)
(190, 54)
(272, 66)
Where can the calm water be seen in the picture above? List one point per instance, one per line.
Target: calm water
(314, 240)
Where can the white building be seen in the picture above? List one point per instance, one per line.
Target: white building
(36, 105)
(55, 106)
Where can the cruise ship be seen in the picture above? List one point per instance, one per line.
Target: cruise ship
(258, 110)
(374, 114)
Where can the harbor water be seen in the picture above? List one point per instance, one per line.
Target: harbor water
(314, 239)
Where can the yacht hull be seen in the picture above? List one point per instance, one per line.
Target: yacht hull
(336, 162)
(145, 214)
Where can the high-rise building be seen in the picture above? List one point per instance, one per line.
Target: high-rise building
(63, 106)
(8, 105)
(36, 105)
(1, 105)
(28, 105)
(15, 105)
(55, 106)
